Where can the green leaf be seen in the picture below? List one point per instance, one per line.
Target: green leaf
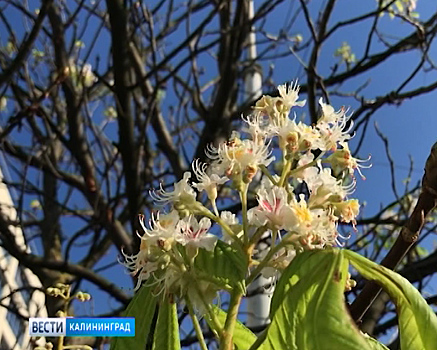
(243, 336)
(308, 306)
(290, 277)
(417, 321)
(226, 266)
(142, 307)
(167, 328)
(374, 344)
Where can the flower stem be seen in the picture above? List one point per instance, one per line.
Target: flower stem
(67, 298)
(274, 237)
(266, 172)
(266, 259)
(257, 235)
(285, 171)
(209, 309)
(243, 198)
(226, 339)
(210, 215)
(196, 325)
(303, 167)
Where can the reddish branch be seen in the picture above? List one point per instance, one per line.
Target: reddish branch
(407, 238)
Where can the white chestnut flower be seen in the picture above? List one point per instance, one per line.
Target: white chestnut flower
(182, 197)
(162, 226)
(290, 94)
(195, 234)
(333, 127)
(272, 210)
(237, 157)
(342, 160)
(325, 188)
(207, 183)
(231, 220)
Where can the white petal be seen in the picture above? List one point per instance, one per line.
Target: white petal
(207, 242)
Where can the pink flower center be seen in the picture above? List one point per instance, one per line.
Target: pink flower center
(265, 205)
(190, 232)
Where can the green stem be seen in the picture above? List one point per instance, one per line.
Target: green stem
(243, 198)
(214, 207)
(274, 237)
(61, 343)
(196, 325)
(208, 308)
(266, 259)
(266, 172)
(68, 299)
(226, 340)
(303, 167)
(285, 171)
(257, 236)
(210, 215)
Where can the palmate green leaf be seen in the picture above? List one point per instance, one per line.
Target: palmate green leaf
(243, 337)
(417, 321)
(166, 335)
(308, 306)
(142, 307)
(290, 277)
(374, 344)
(226, 266)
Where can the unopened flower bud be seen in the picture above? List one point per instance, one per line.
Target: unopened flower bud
(182, 209)
(279, 105)
(350, 283)
(237, 182)
(153, 257)
(348, 210)
(143, 245)
(341, 158)
(192, 252)
(66, 72)
(53, 291)
(184, 213)
(305, 145)
(164, 260)
(303, 241)
(164, 244)
(264, 104)
(335, 198)
(81, 296)
(292, 140)
(180, 206)
(249, 173)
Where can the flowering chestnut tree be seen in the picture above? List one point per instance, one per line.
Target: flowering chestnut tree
(304, 193)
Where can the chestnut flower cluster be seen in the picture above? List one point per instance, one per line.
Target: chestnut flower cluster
(300, 198)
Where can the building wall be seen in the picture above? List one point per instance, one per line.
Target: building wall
(17, 291)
